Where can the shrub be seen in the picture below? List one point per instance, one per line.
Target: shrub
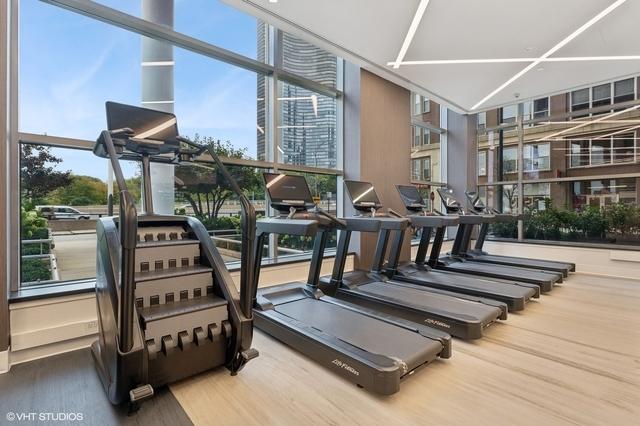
(35, 270)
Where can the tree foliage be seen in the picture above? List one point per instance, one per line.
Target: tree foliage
(38, 174)
(206, 189)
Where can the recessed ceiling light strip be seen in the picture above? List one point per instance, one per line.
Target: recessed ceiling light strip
(516, 60)
(549, 52)
(412, 31)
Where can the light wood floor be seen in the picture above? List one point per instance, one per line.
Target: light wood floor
(573, 357)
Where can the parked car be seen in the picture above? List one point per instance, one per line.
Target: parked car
(62, 212)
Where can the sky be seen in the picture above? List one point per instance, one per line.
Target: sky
(70, 65)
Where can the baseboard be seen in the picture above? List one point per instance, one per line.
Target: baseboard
(31, 354)
(4, 362)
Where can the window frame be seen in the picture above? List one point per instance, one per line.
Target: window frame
(116, 19)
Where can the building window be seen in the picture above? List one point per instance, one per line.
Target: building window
(623, 91)
(624, 148)
(482, 163)
(510, 160)
(536, 157)
(426, 135)
(417, 104)
(482, 121)
(601, 95)
(415, 169)
(579, 153)
(508, 114)
(602, 151)
(426, 105)
(417, 136)
(426, 169)
(541, 108)
(580, 101)
(604, 192)
(535, 195)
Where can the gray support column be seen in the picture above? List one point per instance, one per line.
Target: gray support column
(157, 93)
(462, 155)
(520, 169)
(351, 137)
(462, 152)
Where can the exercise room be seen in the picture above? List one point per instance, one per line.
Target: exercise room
(338, 212)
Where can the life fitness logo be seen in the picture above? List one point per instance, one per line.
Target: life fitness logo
(346, 366)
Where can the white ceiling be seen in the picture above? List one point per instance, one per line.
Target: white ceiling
(371, 33)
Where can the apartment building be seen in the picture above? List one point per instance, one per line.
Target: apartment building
(580, 148)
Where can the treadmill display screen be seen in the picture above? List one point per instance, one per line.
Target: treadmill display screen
(145, 123)
(288, 190)
(410, 195)
(362, 194)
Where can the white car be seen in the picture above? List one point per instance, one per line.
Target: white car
(62, 212)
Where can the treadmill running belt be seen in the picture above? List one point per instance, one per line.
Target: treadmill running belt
(474, 283)
(509, 272)
(438, 304)
(369, 334)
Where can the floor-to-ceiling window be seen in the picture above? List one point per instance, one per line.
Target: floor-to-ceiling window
(215, 68)
(580, 160)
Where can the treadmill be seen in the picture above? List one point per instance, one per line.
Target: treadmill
(476, 254)
(372, 350)
(456, 261)
(461, 315)
(515, 294)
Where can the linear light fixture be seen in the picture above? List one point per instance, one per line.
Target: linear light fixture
(586, 123)
(549, 52)
(157, 102)
(158, 63)
(412, 31)
(516, 60)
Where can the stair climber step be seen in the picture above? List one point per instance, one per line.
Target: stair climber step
(169, 285)
(155, 255)
(182, 324)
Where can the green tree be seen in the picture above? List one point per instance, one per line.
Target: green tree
(38, 174)
(204, 188)
(81, 191)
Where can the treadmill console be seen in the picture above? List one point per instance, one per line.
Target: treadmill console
(363, 196)
(411, 198)
(451, 204)
(475, 201)
(288, 193)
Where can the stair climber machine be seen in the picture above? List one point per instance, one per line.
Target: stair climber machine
(167, 305)
(460, 315)
(371, 349)
(515, 294)
(478, 255)
(457, 261)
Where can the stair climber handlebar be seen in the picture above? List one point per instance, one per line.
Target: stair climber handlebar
(128, 229)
